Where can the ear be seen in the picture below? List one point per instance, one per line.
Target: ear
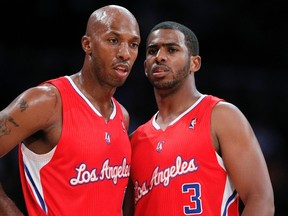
(195, 63)
(86, 44)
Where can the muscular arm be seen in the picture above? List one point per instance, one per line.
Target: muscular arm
(243, 159)
(36, 109)
(7, 206)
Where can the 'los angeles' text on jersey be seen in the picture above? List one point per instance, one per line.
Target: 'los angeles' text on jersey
(107, 172)
(164, 176)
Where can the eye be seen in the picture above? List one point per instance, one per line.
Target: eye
(134, 45)
(113, 40)
(152, 51)
(172, 50)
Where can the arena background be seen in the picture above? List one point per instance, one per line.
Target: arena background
(243, 45)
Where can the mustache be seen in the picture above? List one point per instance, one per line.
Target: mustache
(160, 67)
(121, 64)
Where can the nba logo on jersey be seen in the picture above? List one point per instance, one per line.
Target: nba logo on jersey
(107, 138)
(192, 123)
(159, 146)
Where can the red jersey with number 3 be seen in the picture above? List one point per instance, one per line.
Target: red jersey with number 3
(88, 170)
(177, 171)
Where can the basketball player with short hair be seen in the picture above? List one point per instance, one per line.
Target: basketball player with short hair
(74, 155)
(198, 155)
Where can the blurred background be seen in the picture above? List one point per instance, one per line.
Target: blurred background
(243, 45)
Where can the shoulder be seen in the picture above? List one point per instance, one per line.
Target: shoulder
(225, 110)
(45, 94)
(126, 116)
(36, 109)
(228, 125)
(43, 100)
(227, 116)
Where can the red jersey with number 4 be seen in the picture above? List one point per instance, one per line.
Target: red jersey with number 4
(87, 172)
(177, 171)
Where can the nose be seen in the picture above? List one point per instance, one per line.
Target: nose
(161, 55)
(123, 52)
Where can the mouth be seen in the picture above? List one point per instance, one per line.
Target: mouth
(121, 70)
(159, 71)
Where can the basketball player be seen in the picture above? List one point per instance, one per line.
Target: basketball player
(198, 155)
(75, 152)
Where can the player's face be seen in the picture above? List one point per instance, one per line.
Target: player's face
(114, 49)
(167, 61)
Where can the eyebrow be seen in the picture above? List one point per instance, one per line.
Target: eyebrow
(163, 44)
(135, 37)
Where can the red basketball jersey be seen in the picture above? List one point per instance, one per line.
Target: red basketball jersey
(87, 172)
(177, 171)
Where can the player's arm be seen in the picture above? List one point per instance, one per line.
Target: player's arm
(128, 204)
(30, 112)
(7, 206)
(126, 117)
(243, 159)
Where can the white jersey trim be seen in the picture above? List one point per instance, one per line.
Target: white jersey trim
(33, 163)
(157, 127)
(113, 114)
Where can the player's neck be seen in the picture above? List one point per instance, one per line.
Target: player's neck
(173, 106)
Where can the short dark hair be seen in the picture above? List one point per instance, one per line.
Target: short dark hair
(191, 40)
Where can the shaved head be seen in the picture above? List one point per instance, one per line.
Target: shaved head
(107, 15)
(111, 44)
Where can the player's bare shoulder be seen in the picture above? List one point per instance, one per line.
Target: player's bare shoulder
(43, 99)
(227, 123)
(126, 116)
(225, 111)
(36, 109)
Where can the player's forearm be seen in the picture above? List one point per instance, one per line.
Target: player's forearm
(261, 207)
(7, 206)
(128, 205)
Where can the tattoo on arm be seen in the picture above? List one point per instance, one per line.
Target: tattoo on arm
(4, 118)
(4, 130)
(23, 105)
(10, 119)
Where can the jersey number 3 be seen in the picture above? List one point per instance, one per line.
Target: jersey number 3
(195, 206)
